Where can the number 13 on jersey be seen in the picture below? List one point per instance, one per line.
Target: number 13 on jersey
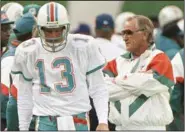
(66, 74)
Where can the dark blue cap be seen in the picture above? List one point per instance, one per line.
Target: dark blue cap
(83, 28)
(4, 18)
(24, 24)
(104, 22)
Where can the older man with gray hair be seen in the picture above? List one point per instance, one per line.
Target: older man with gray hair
(139, 81)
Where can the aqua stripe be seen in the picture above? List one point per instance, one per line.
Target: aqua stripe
(19, 72)
(56, 12)
(48, 16)
(117, 104)
(97, 68)
(127, 55)
(137, 104)
(164, 80)
(109, 73)
(135, 66)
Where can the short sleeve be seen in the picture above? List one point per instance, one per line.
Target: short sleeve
(20, 64)
(96, 60)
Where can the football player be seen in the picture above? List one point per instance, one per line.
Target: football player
(23, 32)
(177, 95)
(57, 73)
(167, 37)
(5, 67)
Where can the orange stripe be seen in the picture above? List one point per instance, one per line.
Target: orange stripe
(15, 42)
(13, 91)
(80, 121)
(179, 79)
(162, 65)
(4, 89)
(52, 12)
(111, 66)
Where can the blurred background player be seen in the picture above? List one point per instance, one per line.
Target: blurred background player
(31, 8)
(13, 10)
(58, 73)
(177, 95)
(23, 31)
(155, 21)
(117, 39)
(83, 28)
(5, 66)
(104, 29)
(174, 32)
(167, 37)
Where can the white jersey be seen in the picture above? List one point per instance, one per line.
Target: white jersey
(59, 78)
(178, 67)
(108, 49)
(6, 65)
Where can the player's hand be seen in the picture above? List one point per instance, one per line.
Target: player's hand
(102, 127)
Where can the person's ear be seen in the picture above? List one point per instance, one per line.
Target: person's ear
(149, 37)
(145, 36)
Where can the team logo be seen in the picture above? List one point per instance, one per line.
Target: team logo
(105, 22)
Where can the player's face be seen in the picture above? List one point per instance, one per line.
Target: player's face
(54, 35)
(5, 34)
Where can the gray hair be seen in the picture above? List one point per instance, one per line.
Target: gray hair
(144, 23)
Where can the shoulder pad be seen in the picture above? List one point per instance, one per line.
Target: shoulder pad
(79, 40)
(82, 37)
(29, 45)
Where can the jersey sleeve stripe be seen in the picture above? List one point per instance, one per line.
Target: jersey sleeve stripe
(19, 72)
(95, 69)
